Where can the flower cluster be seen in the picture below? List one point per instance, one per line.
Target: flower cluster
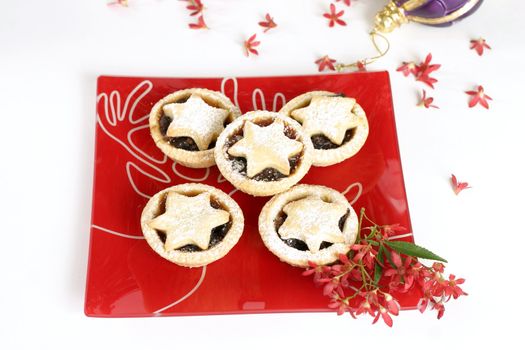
(421, 71)
(377, 270)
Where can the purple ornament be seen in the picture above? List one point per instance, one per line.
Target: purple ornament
(429, 12)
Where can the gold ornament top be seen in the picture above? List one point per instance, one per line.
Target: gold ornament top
(393, 15)
(390, 18)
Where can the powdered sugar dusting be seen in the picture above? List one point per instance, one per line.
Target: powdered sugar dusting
(196, 119)
(294, 256)
(266, 147)
(313, 221)
(328, 115)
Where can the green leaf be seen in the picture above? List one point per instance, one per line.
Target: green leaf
(388, 255)
(378, 270)
(412, 249)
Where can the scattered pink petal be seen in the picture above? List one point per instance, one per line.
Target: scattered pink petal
(479, 45)
(478, 96)
(346, 2)
(408, 68)
(458, 186)
(250, 44)
(123, 3)
(199, 25)
(268, 24)
(424, 70)
(334, 17)
(325, 62)
(426, 101)
(195, 6)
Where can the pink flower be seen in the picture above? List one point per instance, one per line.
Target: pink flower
(325, 62)
(426, 101)
(385, 316)
(402, 276)
(250, 44)
(479, 96)
(408, 68)
(365, 307)
(424, 70)
(346, 2)
(334, 17)
(268, 24)
(339, 305)
(389, 230)
(452, 289)
(438, 267)
(391, 304)
(479, 45)
(440, 307)
(196, 7)
(366, 253)
(458, 186)
(199, 25)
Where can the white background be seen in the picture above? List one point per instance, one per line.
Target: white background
(50, 55)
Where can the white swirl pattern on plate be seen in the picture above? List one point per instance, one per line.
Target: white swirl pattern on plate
(357, 195)
(115, 233)
(186, 296)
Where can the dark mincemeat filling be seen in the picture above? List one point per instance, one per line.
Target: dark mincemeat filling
(297, 243)
(268, 174)
(322, 142)
(240, 164)
(217, 234)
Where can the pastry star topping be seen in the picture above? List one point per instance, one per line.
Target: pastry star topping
(266, 147)
(313, 221)
(188, 220)
(328, 115)
(196, 119)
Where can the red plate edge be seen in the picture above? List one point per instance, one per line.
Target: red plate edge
(164, 86)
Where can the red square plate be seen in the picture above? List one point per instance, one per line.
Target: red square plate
(126, 278)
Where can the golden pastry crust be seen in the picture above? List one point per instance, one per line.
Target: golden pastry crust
(274, 208)
(326, 157)
(192, 159)
(197, 258)
(230, 169)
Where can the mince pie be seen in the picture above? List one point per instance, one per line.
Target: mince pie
(308, 223)
(192, 224)
(186, 123)
(336, 124)
(263, 153)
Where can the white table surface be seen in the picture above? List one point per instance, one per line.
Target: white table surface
(50, 55)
